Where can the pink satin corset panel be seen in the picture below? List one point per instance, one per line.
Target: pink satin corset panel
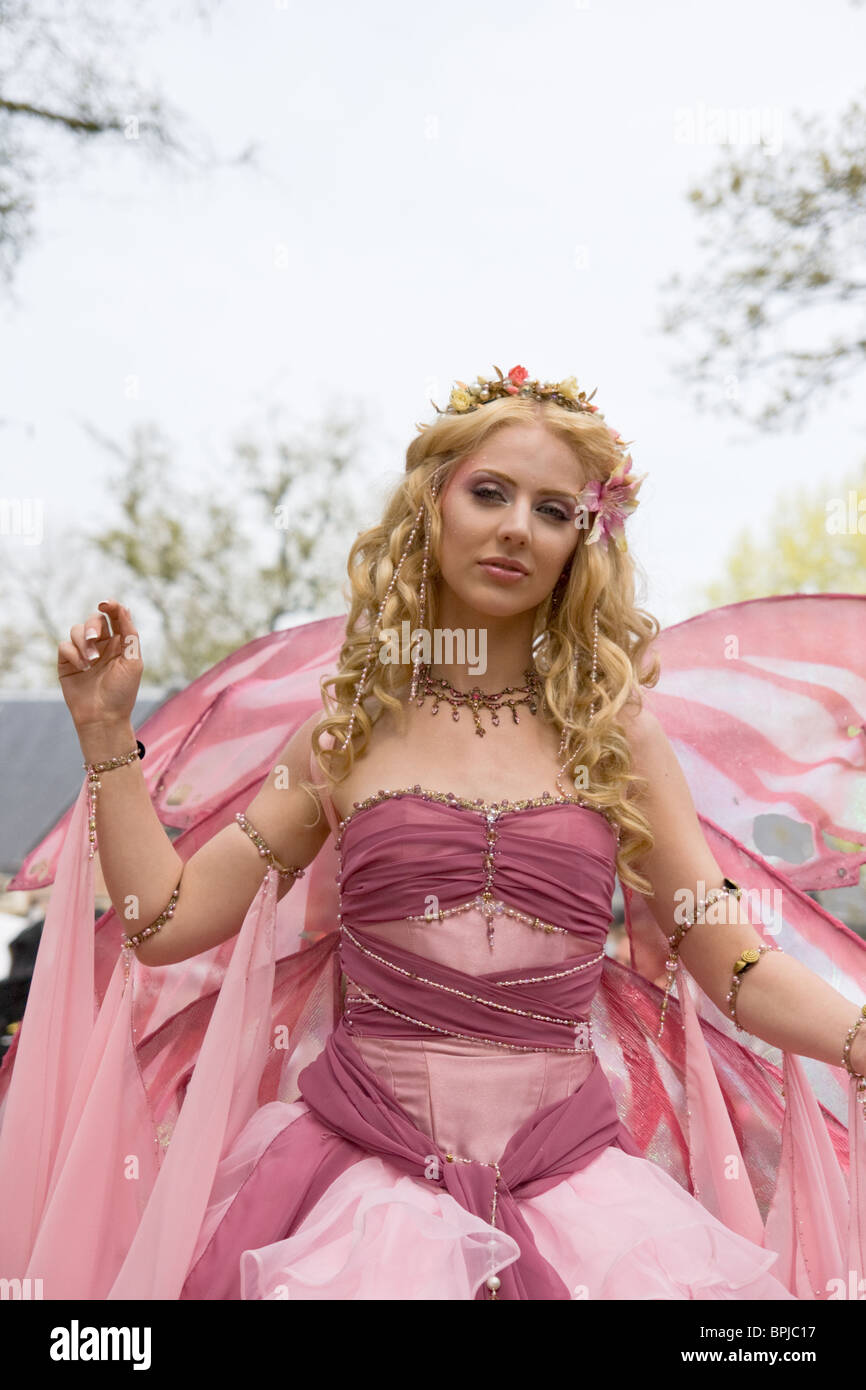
(472, 942)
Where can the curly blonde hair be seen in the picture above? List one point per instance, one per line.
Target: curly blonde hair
(599, 574)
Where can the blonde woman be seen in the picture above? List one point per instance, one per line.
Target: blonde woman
(456, 1136)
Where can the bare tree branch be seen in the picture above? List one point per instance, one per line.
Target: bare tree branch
(786, 244)
(67, 73)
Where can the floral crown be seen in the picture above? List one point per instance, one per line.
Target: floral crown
(610, 501)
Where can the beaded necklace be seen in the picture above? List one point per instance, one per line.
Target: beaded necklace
(477, 699)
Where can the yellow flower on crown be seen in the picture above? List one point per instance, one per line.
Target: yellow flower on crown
(467, 396)
(460, 399)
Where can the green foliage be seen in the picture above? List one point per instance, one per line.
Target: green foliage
(814, 542)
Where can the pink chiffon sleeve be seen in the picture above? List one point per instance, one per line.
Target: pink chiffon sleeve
(99, 1200)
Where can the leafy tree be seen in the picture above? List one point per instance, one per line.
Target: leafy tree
(204, 567)
(815, 543)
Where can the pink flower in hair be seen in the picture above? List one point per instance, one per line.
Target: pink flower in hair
(611, 501)
(516, 377)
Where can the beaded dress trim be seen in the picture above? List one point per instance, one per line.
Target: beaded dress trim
(485, 902)
(477, 998)
(485, 808)
(582, 1028)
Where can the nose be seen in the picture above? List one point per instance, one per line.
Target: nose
(514, 522)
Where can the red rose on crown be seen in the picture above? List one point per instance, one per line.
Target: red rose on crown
(516, 376)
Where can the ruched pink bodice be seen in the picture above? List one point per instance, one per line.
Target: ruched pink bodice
(554, 862)
(441, 897)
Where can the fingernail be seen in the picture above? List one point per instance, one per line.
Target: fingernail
(91, 632)
(92, 653)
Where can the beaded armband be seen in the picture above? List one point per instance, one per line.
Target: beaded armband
(130, 942)
(744, 962)
(728, 888)
(265, 850)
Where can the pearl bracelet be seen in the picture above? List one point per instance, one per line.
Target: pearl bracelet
(93, 784)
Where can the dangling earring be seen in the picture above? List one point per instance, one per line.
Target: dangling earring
(557, 594)
(594, 679)
(555, 603)
(362, 679)
(422, 598)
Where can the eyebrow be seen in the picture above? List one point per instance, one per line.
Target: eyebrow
(544, 491)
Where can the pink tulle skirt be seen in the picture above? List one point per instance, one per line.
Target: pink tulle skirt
(621, 1228)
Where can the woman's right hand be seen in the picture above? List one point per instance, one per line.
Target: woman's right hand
(101, 689)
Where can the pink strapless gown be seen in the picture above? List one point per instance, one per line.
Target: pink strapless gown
(619, 1228)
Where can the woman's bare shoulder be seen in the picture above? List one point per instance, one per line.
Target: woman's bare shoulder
(297, 753)
(640, 726)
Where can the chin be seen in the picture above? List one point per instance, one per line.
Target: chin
(508, 604)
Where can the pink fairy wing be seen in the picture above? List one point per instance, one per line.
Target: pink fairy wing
(764, 703)
(758, 700)
(212, 742)
(782, 914)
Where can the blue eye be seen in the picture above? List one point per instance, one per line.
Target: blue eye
(487, 493)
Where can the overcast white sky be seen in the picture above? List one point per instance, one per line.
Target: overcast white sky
(441, 188)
